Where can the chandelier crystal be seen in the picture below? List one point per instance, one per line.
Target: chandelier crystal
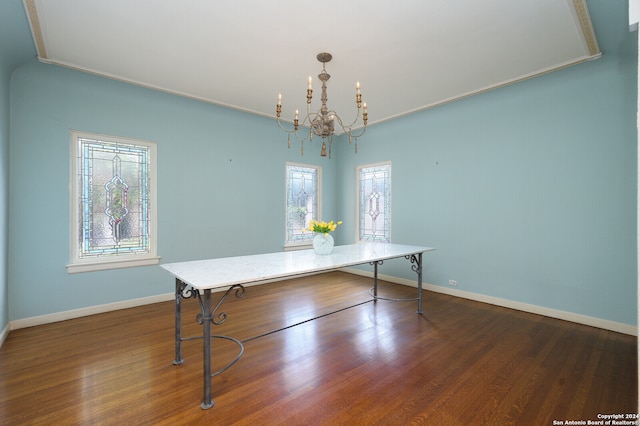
(323, 122)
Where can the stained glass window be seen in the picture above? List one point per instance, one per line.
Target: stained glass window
(303, 199)
(114, 218)
(374, 202)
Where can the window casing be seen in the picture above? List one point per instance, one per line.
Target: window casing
(303, 198)
(374, 202)
(113, 191)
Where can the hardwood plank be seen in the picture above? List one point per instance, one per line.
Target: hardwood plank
(462, 362)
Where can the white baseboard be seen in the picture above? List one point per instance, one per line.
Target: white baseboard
(98, 309)
(90, 310)
(540, 310)
(4, 334)
(534, 309)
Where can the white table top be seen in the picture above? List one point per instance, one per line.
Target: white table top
(228, 271)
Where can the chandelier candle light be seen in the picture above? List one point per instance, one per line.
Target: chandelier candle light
(322, 122)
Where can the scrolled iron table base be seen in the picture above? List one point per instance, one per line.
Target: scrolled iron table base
(197, 280)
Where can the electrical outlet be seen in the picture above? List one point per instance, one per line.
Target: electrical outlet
(453, 282)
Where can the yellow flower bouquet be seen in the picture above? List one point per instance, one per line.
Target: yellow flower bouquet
(323, 227)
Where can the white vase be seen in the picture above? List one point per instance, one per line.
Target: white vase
(323, 244)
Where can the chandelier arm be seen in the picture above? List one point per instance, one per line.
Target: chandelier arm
(348, 130)
(309, 110)
(306, 122)
(349, 126)
(364, 129)
(284, 128)
(296, 133)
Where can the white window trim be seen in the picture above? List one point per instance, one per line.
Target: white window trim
(77, 264)
(288, 246)
(358, 168)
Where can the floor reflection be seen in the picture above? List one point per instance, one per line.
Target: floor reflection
(300, 352)
(376, 339)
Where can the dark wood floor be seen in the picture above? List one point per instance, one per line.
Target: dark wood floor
(461, 363)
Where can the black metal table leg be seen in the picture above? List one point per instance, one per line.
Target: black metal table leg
(178, 331)
(207, 401)
(417, 267)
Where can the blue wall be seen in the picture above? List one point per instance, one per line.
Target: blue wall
(221, 183)
(16, 47)
(5, 74)
(528, 192)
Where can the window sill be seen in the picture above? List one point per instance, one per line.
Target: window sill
(291, 247)
(75, 268)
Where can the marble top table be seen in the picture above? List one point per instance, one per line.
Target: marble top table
(228, 271)
(197, 279)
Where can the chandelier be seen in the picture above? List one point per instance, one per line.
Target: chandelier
(322, 122)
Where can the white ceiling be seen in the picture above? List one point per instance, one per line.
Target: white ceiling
(407, 54)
